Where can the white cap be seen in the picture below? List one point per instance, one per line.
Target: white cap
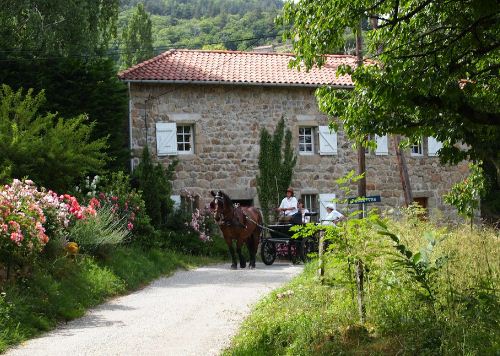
(330, 206)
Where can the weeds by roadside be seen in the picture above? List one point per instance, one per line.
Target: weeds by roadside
(460, 316)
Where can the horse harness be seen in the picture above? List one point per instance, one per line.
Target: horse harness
(234, 220)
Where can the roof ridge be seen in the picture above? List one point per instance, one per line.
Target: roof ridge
(151, 60)
(226, 51)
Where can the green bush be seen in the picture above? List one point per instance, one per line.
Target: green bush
(38, 145)
(97, 234)
(154, 182)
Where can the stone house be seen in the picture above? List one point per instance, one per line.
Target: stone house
(206, 109)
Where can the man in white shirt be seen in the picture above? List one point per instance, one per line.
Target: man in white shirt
(288, 206)
(332, 216)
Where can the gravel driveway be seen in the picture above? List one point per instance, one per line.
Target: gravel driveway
(190, 313)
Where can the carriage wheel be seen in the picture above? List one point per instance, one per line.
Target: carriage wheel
(294, 251)
(268, 252)
(306, 247)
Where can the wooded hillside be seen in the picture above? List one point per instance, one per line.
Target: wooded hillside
(221, 24)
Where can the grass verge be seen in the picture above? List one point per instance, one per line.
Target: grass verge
(306, 317)
(63, 289)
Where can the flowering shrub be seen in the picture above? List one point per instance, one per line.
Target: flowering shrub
(126, 203)
(29, 215)
(200, 222)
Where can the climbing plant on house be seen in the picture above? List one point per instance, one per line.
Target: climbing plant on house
(276, 163)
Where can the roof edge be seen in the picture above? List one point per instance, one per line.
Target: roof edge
(221, 82)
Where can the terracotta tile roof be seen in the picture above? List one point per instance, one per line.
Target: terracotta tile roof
(232, 67)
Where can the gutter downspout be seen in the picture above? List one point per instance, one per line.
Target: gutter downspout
(130, 127)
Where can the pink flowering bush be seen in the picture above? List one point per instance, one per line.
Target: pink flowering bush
(28, 217)
(201, 223)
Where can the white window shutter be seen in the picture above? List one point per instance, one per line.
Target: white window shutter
(324, 200)
(166, 138)
(382, 146)
(327, 141)
(433, 146)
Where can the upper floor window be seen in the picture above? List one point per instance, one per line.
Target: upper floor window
(172, 138)
(184, 139)
(306, 140)
(417, 148)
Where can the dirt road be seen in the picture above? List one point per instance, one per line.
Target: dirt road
(190, 313)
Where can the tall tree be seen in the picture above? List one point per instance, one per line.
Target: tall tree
(137, 38)
(59, 47)
(276, 163)
(436, 74)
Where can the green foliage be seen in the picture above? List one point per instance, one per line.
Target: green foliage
(433, 76)
(155, 183)
(57, 27)
(98, 234)
(276, 163)
(465, 195)
(419, 265)
(228, 24)
(36, 145)
(89, 86)
(137, 38)
(58, 47)
(463, 318)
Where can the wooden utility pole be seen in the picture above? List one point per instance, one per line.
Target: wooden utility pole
(361, 188)
(403, 171)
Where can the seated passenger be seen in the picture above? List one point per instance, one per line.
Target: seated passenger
(288, 206)
(333, 216)
(302, 210)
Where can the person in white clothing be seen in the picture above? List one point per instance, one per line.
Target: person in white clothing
(288, 206)
(303, 211)
(333, 216)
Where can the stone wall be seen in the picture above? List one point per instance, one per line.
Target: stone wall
(227, 121)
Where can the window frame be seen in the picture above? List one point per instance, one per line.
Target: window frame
(184, 134)
(420, 148)
(310, 201)
(311, 144)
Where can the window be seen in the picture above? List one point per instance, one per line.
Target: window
(306, 140)
(173, 139)
(184, 139)
(310, 201)
(417, 149)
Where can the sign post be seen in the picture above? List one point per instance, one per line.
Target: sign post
(363, 201)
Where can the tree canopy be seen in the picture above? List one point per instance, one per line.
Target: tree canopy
(60, 47)
(137, 38)
(433, 69)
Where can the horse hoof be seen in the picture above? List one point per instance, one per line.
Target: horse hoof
(234, 267)
(251, 267)
(243, 266)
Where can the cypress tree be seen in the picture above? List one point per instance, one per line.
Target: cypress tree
(276, 164)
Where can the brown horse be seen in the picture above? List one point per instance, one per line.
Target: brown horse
(237, 223)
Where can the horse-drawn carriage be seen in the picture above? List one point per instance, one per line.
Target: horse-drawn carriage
(277, 241)
(245, 226)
